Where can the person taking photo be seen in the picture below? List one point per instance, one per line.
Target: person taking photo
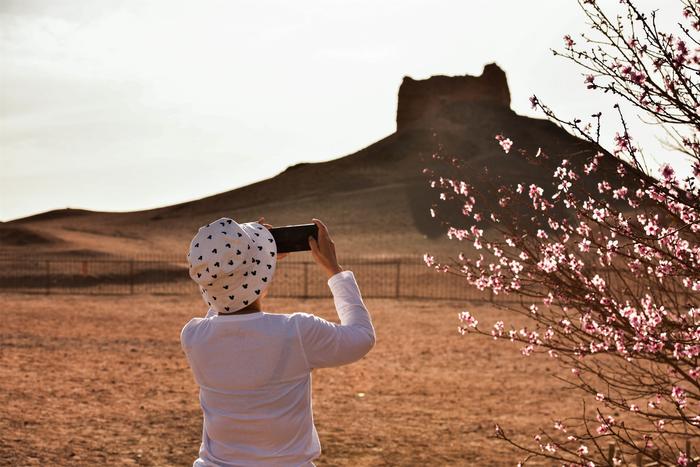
(253, 367)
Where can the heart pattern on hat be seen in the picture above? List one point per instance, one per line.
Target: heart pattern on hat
(232, 263)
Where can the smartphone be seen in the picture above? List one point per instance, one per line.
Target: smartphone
(291, 238)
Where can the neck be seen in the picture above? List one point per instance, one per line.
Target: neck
(254, 307)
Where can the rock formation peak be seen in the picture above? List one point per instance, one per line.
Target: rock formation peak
(421, 101)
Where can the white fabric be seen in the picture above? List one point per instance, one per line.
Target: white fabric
(254, 374)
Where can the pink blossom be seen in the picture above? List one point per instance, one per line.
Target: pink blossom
(598, 282)
(620, 193)
(667, 172)
(681, 53)
(468, 320)
(497, 329)
(622, 143)
(505, 143)
(568, 41)
(660, 424)
(592, 166)
(678, 395)
(589, 82)
(584, 245)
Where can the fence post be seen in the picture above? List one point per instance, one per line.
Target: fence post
(131, 277)
(611, 453)
(656, 454)
(398, 278)
(306, 280)
(48, 278)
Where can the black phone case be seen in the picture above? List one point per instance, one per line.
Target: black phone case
(290, 238)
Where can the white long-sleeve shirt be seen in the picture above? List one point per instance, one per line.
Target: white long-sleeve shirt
(254, 375)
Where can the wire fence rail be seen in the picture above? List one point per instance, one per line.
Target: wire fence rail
(378, 278)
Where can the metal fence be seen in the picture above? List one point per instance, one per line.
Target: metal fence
(299, 278)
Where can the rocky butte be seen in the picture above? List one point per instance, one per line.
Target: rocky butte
(421, 102)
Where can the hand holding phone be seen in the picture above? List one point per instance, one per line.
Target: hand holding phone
(323, 250)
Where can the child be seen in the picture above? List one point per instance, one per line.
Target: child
(254, 368)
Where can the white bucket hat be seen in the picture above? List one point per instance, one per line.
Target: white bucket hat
(232, 263)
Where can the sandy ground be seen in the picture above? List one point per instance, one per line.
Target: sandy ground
(89, 380)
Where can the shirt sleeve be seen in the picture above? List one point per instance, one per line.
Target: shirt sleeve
(186, 333)
(327, 344)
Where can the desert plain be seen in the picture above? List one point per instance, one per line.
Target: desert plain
(102, 380)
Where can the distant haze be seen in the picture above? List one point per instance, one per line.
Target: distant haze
(129, 105)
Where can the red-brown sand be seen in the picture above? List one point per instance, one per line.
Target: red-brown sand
(88, 380)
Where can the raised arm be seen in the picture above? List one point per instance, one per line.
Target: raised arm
(328, 344)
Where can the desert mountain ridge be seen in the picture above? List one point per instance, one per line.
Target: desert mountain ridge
(375, 200)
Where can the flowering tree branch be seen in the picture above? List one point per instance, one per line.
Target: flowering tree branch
(605, 259)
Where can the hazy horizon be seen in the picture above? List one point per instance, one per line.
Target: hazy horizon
(129, 105)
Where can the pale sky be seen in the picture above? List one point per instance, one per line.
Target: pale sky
(127, 105)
